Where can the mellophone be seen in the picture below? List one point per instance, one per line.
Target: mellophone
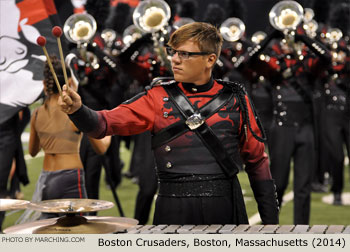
(239, 229)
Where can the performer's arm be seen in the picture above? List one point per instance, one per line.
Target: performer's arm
(34, 142)
(89, 121)
(251, 55)
(253, 151)
(249, 64)
(132, 117)
(317, 47)
(100, 146)
(257, 167)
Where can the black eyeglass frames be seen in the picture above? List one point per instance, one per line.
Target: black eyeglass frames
(183, 54)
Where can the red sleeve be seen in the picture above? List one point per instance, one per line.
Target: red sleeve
(252, 151)
(132, 117)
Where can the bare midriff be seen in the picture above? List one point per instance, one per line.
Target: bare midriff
(56, 162)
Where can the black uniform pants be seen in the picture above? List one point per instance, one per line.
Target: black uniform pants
(145, 169)
(7, 152)
(194, 210)
(92, 164)
(297, 144)
(336, 133)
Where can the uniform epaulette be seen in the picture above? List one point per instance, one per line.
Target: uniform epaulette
(240, 90)
(160, 81)
(236, 86)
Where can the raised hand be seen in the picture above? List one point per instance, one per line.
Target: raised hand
(70, 101)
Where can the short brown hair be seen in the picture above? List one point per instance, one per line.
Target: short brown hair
(206, 35)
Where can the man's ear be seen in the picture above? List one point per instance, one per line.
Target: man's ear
(211, 60)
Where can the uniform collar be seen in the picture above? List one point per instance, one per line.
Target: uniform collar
(193, 88)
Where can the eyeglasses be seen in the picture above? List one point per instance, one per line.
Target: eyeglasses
(183, 54)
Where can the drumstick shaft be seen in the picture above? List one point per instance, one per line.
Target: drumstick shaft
(52, 70)
(62, 60)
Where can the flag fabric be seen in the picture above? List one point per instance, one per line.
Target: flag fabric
(21, 59)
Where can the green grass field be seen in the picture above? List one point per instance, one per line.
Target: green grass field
(321, 213)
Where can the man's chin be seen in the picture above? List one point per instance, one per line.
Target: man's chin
(178, 78)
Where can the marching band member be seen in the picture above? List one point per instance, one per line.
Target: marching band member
(290, 68)
(335, 83)
(198, 182)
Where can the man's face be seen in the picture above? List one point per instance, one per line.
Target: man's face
(196, 68)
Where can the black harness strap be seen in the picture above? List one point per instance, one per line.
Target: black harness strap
(204, 132)
(177, 129)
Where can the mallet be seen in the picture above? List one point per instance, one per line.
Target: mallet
(41, 41)
(57, 32)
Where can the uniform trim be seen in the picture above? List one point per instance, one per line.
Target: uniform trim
(79, 185)
(135, 98)
(161, 81)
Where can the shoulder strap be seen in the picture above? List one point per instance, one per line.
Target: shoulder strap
(198, 125)
(175, 130)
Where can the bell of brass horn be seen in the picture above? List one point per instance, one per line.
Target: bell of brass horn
(309, 14)
(108, 36)
(131, 33)
(80, 28)
(232, 29)
(311, 28)
(151, 15)
(333, 35)
(286, 15)
(258, 36)
(182, 21)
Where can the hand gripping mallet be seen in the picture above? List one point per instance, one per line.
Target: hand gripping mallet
(41, 41)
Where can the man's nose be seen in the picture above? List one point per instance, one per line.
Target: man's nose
(175, 58)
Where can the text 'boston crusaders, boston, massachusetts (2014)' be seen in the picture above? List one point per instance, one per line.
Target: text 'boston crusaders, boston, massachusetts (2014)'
(195, 242)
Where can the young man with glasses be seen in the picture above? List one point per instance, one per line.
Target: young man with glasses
(202, 130)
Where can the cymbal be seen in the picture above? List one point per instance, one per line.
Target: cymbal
(70, 205)
(74, 225)
(12, 204)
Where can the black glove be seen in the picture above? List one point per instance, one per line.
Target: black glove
(265, 195)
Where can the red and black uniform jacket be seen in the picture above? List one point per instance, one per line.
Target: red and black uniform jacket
(152, 111)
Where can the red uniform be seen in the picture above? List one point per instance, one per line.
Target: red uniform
(148, 113)
(185, 158)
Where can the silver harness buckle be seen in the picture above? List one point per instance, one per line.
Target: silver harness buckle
(195, 121)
